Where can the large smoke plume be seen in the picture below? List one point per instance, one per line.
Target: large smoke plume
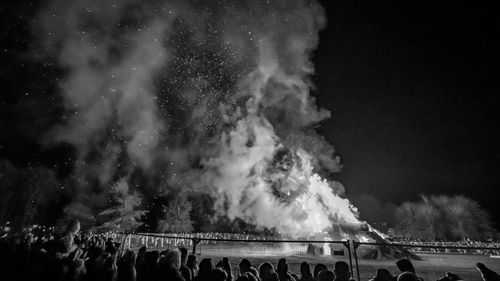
(211, 96)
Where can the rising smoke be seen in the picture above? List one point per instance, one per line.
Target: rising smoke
(202, 95)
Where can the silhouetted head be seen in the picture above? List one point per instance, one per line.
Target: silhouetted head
(244, 266)
(318, 268)
(142, 250)
(282, 266)
(173, 258)
(408, 276)
(326, 275)
(383, 275)
(341, 270)
(305, 270)
(129, 258)
(206, 267)
(405, 265)
(486, 273)
(452, 276)
(219, 275)
(191, 261)
(266, 270)
(184, 255)
(151, 259)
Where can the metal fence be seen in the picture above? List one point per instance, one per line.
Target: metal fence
(431, 262)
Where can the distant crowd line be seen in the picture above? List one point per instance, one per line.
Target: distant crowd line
(186, 239)
(466, 246)
(73, 256)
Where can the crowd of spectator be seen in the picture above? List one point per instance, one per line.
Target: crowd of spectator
(73, 256)
(465, 246)
(186, 239)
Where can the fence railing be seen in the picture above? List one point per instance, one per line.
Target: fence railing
(431, 262)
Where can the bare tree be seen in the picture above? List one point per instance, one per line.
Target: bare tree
(430, 215)
(443, 217)
(470, 219)
(407, 220)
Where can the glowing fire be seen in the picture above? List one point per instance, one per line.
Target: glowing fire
(274, 189)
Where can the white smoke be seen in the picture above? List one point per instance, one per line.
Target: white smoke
(109, 90)
(242, 172)
(200, 94)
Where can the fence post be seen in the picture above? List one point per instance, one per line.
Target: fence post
(347, 244)
(355, 249)
(195, 242)
(122, 245)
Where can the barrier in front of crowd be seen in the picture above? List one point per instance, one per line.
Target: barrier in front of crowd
(323, 251)
(431, 261)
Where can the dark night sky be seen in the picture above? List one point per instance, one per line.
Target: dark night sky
(412, 90)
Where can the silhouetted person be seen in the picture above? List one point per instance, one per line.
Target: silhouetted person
(219, 274)
(452, 276)
(305, 272)
(126, 267)
(109, 271)
(318, 268)
(266, 272)
(382, 275)
(405, 265)
(168, 267)
(95, 263)
(150, 265)
(226, 265)
(247, 276)
(140, 262)
(185, 271)
(486, 273)
(192, 264)
(408, 276)
(283, 271)
(75, 266)
(326, 275)
(341, 271)
(244, 266)
(205, 271)
(66, 243)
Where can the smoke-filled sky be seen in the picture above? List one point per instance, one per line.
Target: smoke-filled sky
(405, 94)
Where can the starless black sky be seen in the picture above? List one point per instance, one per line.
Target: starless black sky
(411, 86)
(413, 92)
